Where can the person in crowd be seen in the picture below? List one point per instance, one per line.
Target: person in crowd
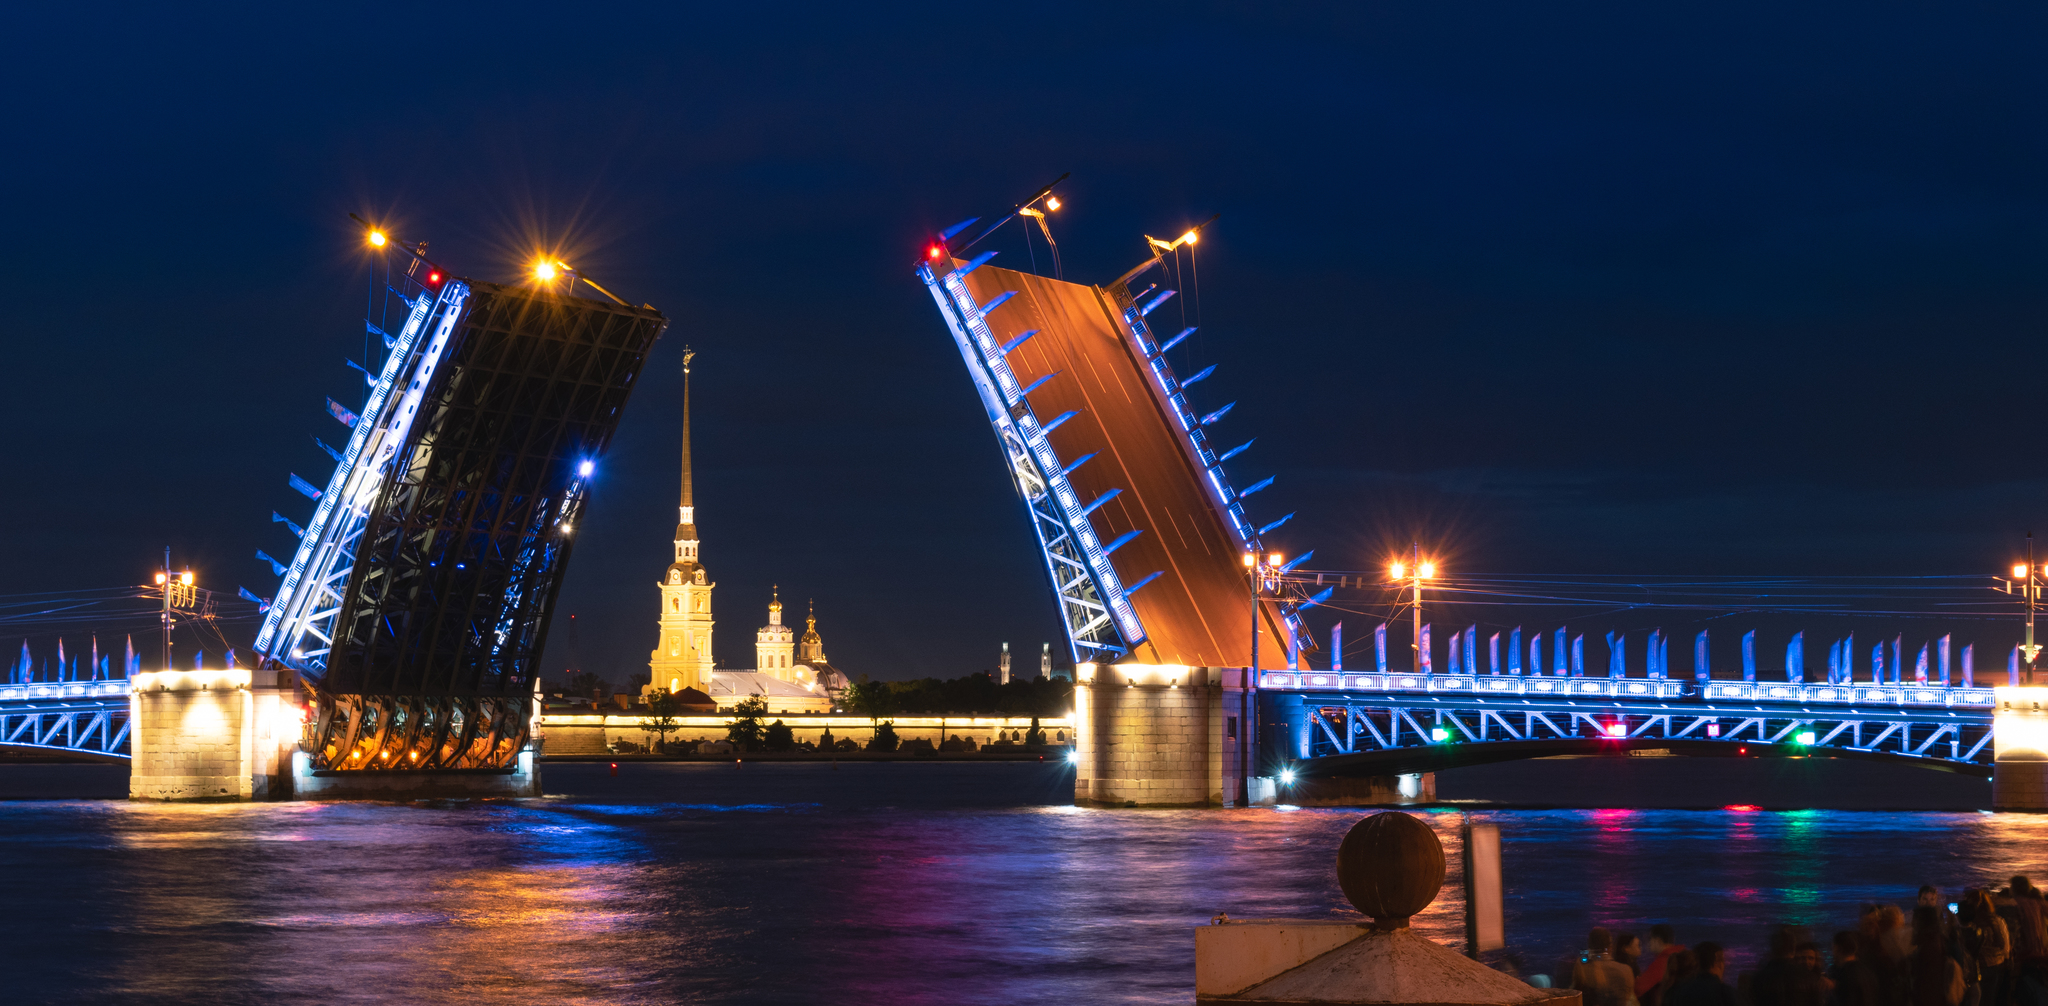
(1784, 980)
(1705, 982)
(1988, 943)
(1651, 977)
(1930, 897)
(1600, 980)
(1629, 950)
(1933, 976)
(2028, 971)
(1853, 982)
(1894, 937)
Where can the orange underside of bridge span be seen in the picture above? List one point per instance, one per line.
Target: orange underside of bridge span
(1199, 612)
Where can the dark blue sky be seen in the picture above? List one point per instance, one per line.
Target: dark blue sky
(1571, 288)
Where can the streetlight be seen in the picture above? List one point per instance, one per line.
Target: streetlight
(1414, 572)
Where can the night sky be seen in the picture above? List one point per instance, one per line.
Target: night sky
(1569, 288)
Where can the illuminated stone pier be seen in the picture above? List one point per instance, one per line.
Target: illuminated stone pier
(212, 735)
(2019, 728)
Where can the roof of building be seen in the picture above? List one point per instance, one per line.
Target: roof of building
(743, 683)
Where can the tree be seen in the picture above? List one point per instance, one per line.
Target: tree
(745, 730)
(1035, 735)
(778, 737)
(589, 685)
(875, 699)
(660, 720)
(885, 737)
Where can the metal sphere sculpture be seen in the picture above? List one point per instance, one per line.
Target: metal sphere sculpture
(1391, 866)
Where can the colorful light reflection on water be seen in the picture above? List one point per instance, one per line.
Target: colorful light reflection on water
(897, 884)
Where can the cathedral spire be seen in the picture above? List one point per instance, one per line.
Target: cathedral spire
(686, 515)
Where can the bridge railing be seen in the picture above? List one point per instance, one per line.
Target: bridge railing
(117, 688)
(1630, 689)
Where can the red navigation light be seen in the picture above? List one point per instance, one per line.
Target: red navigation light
(935, 251)
(1617, 730)
(1742, 808)
(434, 278)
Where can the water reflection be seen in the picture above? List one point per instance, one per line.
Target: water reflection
(917, 885)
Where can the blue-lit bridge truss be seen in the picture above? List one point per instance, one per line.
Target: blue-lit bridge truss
(87, 718)
(1371, 724)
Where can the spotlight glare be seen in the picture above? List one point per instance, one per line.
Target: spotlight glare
(1052, 202)
(544, 271)
(377, 239)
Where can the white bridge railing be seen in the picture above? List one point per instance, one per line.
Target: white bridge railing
(1643, 689)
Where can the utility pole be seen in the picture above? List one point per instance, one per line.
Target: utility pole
(178, 593)
(1004, 665)
(1415, 569)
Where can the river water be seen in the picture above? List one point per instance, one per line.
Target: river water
(870, 883)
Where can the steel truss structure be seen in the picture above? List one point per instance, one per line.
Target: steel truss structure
(418, 601)
(1413, 732)
(1098, 617)
(79, 717)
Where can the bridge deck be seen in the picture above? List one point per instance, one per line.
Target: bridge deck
(1198, 612)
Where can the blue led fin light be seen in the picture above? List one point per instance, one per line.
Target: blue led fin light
(1298, 560)
(976, 262)
(999, 300)
(1176, 340)
(1218, 414)
(1099, 500)
(276, 567)
(1268, 529)
(1134, 588)
(1234, 451)
(947, 234)
(368, 378)
(1076, 463)
(305, 487)
(1205, 372)
(341, 413)
(1319, 597)
(1153, 305)
(1121, 541)
(277, 518)
(331, 452)
(1057, 420)
(1033, 386)
(1018, 341)
(1256, 486)
(248, 595)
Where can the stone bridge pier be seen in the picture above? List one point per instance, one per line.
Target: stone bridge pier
(1167, 735)
(2019, 728)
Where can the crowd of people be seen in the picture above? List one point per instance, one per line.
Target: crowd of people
(1988, 949)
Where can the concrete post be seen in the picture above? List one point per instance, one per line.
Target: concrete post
(2019, 739)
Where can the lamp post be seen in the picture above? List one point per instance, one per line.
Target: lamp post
(1259, 570)
(1414, 572)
